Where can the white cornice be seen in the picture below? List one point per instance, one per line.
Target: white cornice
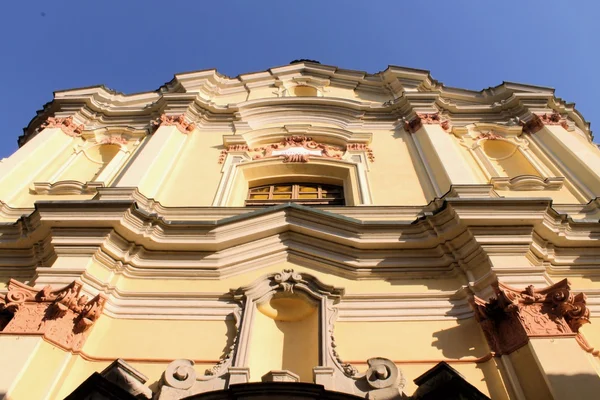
(413, 91)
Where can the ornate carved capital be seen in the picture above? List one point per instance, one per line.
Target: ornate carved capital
(425, 119)
(231, 148)
(537, 122)
(178, 121)
(67, 125)
(509, 319)
(62, 316)
(361, 147)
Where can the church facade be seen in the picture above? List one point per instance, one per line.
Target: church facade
(305, 231)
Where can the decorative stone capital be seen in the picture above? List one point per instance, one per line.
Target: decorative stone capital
(178, 121)
(62, 316)
(361, 147)
(513, 316)
(537, 122)
(67, 125)
(421, 119)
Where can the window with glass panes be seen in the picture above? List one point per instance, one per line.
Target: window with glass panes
(303, 193)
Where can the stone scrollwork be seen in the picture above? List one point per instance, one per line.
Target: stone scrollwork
(382, 381)
(509, 319)
(180, 374)
(221, 367)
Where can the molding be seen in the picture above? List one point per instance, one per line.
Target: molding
(527, 182)
(404, 91)
(65, 187)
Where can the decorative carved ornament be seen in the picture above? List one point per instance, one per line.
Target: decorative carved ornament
(62, 316)
(361, 147)
(425, 119)
(537, 122)
(513, 316)
(67, 125)
(297, 149)
(119, 140)
(178, 121)
(488, 136)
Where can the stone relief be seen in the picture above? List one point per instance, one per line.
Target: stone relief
(537, 122)
(297, 149)
(421, 119)
(62, 316)
(383, 380)
(177, 121)
(67, 125)
(509, 319)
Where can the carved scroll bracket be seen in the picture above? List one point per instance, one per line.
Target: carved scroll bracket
(177, 121)
(421, 119)
(513, 316)
(67, 125)
(62, 316)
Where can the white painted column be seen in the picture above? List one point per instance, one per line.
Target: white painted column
(443, 159)
(155, 160)
(576, 154)
(20, 170)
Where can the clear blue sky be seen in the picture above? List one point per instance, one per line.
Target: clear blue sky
(134, 45)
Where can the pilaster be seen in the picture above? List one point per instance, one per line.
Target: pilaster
(20, 170)
(156, 158)
(538, 329)
(574, 155)
(440, 154)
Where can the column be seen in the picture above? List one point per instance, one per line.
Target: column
(536, 332)
(440, 154)
(157, 157)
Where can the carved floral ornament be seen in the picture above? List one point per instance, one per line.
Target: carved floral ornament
(297, 149)
(509, 319)
(421, 119)
(177, 121)
(62, 316)
(537, 122)
(67, 125)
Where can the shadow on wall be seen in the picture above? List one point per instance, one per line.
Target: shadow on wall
(575, 387)
(457, 342)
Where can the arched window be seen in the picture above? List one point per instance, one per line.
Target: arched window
(303, 193)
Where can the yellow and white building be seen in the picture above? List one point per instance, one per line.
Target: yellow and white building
(305, 231)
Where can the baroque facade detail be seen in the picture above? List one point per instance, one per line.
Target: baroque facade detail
(297, 149)
(67, 125)
(177, 121)
(509, 319)
(62, 316)
(537, 122)
(421, 119)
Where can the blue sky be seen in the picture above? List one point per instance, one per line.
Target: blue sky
(134, 45)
